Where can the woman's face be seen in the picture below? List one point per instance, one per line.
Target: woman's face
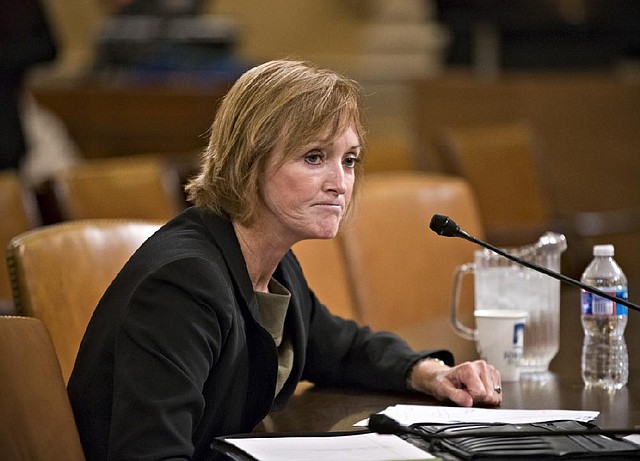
(307, 195)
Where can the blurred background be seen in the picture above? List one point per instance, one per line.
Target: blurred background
(535, 102)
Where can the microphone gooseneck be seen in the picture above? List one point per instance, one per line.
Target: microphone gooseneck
(445, 226)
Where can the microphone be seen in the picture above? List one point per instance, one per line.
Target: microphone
(383, 424)
(445, 226)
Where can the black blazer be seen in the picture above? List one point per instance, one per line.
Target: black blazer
(174, 355)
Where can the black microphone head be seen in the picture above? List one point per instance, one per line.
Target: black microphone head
(383, 424)
(443, 225)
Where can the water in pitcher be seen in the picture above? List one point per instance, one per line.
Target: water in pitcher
(500, 283)
(515, 287)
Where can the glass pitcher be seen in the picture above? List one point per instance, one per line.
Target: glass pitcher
(500, 283)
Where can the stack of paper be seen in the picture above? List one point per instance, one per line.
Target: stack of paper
(377, 447)
(411, 414)
(357, 447)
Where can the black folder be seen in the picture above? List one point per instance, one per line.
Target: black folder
(524, 441)
(476, 441)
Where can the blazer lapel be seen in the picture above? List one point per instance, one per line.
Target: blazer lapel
(224, 237)
(263, 363)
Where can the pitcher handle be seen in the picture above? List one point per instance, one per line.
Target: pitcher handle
(461, 329)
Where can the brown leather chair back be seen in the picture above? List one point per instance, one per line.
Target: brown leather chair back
(402, 271)
(60, 272)
(18, 213)
(324, 268)
(138, 187)
(500, 163)
(36, 420)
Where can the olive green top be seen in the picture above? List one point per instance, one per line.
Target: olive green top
(273, 310)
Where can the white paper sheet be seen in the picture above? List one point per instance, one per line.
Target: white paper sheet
(410, 414)
(635, 438)
(357, 447)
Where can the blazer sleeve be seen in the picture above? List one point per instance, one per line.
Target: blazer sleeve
(341, 352)
(170, 337)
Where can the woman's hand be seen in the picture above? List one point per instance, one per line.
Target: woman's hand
(467, 384)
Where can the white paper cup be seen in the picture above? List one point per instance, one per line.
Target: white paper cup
(500, 339)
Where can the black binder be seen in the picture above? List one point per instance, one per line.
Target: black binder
(515, 442)
(502, 441)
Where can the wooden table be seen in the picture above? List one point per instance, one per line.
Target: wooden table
(122, 117)
(314, 409)
(328, 409)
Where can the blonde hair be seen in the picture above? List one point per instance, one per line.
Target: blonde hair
(291, 101)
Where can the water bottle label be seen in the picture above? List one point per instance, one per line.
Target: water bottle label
(593, 304)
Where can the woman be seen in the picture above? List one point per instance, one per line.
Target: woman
(211, 324)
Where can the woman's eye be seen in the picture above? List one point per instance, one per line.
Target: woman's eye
(313, 158)
(350, 162)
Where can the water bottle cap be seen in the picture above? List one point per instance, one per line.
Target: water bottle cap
(603, 250)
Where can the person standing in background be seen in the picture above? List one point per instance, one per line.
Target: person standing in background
(25, 40)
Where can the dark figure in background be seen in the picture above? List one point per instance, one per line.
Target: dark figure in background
(155, 7)
(25, 40)
(156, 39)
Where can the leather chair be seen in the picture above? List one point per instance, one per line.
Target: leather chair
(18, 213)
(36, 420)
(402, 271)
(502, 162)
(60, 272)
(325, 269)
(139, 187)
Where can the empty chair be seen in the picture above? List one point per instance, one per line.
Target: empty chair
(501, 164)
(18, 213)
(140, 187)
(36, 420)
(403, 272)
(324, 268)
(60, 272)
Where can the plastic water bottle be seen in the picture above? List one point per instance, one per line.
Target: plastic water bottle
(605, 361)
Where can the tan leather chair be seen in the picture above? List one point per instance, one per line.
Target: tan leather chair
(324, 268)
(501, 164)
(60, 272)
(402, 271)
(36, 420)
(140, 187)
(18, 213)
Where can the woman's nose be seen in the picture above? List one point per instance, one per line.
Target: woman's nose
(336, 179)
